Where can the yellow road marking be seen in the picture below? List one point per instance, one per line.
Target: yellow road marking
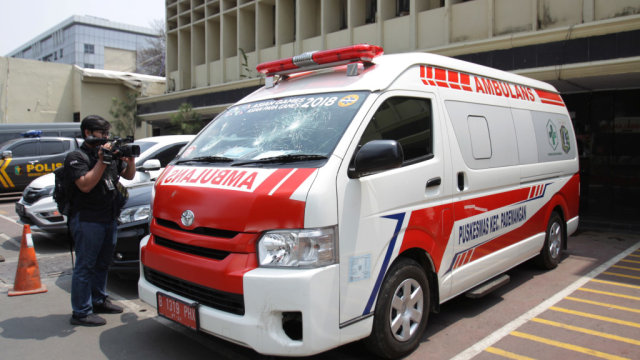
(626, 267)
(616, 283)
(612, 306)
(633, 255)
(507, 354)
(630, 261)
(622, 275)
(563, 345)
(587, 331)
(4, 183)
(610, 294)
(597, 317)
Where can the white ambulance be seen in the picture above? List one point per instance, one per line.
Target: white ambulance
(354, 194)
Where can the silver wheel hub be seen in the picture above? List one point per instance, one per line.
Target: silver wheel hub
(555, 240)
(406, 310)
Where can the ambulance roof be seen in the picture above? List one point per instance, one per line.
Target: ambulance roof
(380, 76)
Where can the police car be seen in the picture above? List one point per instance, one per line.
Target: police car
(24, 159)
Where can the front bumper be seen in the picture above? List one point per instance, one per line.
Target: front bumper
(272, 298)
(126, 257)
(42, 215)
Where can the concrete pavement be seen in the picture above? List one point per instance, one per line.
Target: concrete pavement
(37, 326)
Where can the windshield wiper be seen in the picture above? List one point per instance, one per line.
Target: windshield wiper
(206, 159)
(282, 159)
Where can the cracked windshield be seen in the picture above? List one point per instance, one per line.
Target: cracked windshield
(297, 128)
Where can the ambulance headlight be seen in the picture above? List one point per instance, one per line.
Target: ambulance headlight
(299, 248)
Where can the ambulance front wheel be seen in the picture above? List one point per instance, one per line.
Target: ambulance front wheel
(401, 311)
(550, 254)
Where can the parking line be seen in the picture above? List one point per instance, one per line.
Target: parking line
(630, 261)
(615, 283)
(598, 303)
(597, 317)
(497, 335)
(610, 294)
(507, 354)
(563, 345)
(587, 331)
(622, 275)
(626, 267)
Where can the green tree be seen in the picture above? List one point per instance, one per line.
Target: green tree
(245, 71)
(125, 114)
(186, 120)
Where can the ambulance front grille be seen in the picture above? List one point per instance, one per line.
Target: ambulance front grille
(221, 300)
(191, 249)
(225, 234)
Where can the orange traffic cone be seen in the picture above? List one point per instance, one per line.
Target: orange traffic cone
(27, 274)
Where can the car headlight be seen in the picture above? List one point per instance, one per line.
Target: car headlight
(301, 248)
(32, 195)
(135, 213)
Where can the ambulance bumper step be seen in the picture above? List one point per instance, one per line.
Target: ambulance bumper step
(487, 287)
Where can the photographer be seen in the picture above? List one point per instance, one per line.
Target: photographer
(95, 206)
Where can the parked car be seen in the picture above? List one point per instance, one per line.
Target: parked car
(24, 159)
(37, 207)
(133, 225)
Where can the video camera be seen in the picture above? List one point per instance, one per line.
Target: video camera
(119, 148)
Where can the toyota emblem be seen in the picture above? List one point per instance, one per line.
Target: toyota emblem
(187, 218)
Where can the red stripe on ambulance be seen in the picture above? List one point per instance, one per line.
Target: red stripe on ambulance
(433, 76)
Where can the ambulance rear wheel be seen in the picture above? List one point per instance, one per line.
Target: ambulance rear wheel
(401, 311)
(550, 254)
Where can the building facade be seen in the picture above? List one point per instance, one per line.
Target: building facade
(89, 42)
(588, 49)
(33, 92)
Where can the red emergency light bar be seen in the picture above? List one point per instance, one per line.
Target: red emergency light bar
(321, 59)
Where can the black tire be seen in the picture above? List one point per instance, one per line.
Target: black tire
(409, 315)
(554, 238)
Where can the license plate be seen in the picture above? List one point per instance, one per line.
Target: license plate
(177, 310)
(20, 209)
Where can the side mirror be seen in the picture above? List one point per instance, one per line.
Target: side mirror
(377, 156)
(7, 154)
(150, 165)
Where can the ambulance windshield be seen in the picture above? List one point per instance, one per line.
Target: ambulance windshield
(297, 128)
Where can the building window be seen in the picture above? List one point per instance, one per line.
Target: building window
(61, 54)
(371, 10)
(89, 49)
(402, 8)
(89, 66)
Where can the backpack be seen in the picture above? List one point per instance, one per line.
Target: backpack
(63, 189)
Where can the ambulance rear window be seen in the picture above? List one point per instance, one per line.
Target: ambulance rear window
(290, 126)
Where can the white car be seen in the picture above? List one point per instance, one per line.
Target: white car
(37, 207)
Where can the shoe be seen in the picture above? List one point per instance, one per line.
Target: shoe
(107, 307)
(87, 320)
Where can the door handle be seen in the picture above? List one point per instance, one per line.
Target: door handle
(434, 182)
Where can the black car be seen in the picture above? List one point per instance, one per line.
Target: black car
(24, 159)
(133, 225)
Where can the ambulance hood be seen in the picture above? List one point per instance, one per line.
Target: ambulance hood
(209, 199)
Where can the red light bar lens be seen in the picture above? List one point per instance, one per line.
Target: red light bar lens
(363, 52)
(360, 52)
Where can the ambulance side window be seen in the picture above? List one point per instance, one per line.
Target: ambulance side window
(409, 121)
